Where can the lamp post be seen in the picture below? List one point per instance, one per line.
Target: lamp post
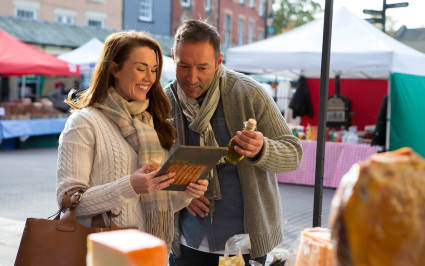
(323, 106)
(381, 13)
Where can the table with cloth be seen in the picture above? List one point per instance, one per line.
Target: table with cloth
(30, 127)
(339, 157)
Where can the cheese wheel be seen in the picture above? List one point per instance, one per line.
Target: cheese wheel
(125, 248)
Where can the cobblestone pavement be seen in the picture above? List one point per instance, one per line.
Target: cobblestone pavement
(27, 189)
(297, 204)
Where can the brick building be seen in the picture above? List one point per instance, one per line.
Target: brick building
(94, 13)
(58, 26)
(238, 21)
(148, 15)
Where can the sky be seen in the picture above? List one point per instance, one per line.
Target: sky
(412, 16)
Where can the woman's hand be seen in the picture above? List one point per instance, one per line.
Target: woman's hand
(198, 189)
(144, 181)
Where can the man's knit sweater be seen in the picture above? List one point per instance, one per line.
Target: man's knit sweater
(94, 154)
(243, 98)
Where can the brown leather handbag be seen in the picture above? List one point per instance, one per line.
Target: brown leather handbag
(61, 241)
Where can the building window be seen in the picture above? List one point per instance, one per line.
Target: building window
(207, 5)
(26, 9)
(145, 10)
(241, 31)
(260, 35)
(65, 19)
(241, 2)
(26, 13)
(251, 3)
(65, 16)
(261, 7)
(95, 19)
(227, 25)
(251, 31)
(95, 23)
(185, 3)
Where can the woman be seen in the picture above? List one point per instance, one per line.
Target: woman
(119, 124)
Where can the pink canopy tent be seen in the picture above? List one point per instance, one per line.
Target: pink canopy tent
(18, 58)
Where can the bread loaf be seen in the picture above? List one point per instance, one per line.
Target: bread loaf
(378, 215)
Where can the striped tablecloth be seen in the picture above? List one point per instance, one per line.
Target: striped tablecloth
(339, 157)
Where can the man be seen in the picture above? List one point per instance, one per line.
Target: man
(209, 105)
(58, 96)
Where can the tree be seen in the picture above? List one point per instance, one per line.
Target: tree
(293, 13)
(391, 24)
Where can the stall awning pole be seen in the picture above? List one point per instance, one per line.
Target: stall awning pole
(323, 107)
(388, 123)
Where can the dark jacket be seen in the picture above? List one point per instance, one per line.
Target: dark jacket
(301, 102)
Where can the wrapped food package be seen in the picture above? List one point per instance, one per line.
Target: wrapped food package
(378, 212)
(316, 248)
(127, 247)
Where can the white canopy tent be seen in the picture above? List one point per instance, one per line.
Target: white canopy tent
(89, 53)
(358, 50)
(168, 69)
(86, 55)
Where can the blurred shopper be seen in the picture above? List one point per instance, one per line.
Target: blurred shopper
(58, 97)
(117, 127)
(380, 133)
(209, 105)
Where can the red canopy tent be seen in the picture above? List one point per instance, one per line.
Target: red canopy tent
(18, 58)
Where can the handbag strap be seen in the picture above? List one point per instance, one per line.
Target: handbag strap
(97, 221)
(70, 201)
(72, 197)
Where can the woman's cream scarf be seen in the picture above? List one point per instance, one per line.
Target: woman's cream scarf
(199, 117)
(136, 125)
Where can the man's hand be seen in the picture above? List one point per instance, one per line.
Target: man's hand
(199, 207)
(249, 143)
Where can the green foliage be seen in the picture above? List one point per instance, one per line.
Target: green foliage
(293, 13)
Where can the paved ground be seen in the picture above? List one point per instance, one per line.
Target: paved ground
(27, 189)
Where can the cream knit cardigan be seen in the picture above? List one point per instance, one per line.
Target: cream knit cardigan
(94, 154)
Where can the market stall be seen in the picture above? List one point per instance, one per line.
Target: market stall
(25, 124)
(23, 118)
(18, 58)
(358, 51)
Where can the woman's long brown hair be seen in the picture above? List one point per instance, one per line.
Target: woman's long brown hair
(118, 47)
